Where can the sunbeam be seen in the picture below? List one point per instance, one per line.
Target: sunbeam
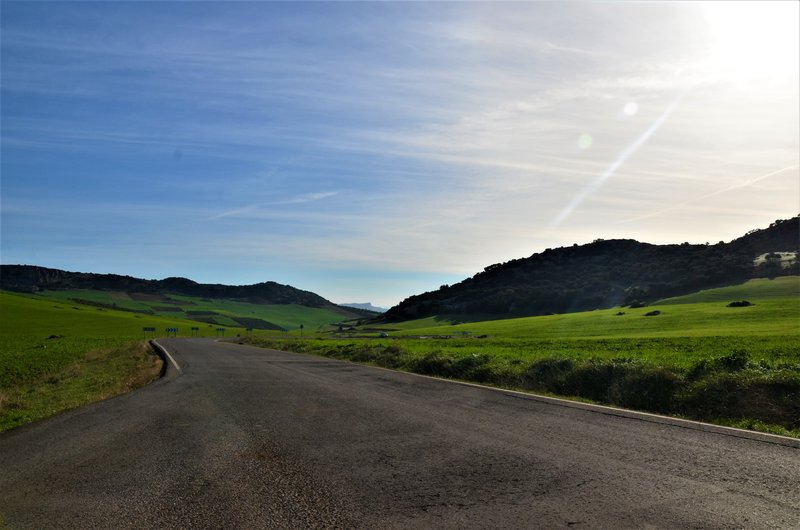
(603, 177)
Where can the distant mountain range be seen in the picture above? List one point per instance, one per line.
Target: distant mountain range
(365, 306)
(29, 278)
(608, 273)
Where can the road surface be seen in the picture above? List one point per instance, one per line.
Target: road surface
(251, 438)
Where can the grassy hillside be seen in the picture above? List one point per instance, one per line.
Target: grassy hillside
(787, 287)
(776, 311)
(228, 313)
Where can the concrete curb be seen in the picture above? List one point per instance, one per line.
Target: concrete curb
(623, 413)
(167, 358)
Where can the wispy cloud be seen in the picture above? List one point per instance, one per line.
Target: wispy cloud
(309, 197)
(739, 185)
(384, 136)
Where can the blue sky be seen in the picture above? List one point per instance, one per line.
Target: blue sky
(370, 151)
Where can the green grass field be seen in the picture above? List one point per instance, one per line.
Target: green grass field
(776, 311)
(213, 311)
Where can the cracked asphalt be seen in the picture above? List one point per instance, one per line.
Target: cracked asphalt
(253, 438)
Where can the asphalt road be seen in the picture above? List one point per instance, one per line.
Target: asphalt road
(252, 438)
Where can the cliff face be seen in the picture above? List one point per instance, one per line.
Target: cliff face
(605, 274)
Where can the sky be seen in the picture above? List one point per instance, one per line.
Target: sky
(370, 151)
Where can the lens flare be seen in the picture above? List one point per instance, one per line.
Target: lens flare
(602, 178)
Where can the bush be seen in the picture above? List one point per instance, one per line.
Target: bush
(473, 368)
(649, 389)
(713, 397)
(621, 382)
(733, 362)
(392, 356)
(773, 397)
(547, 374)
(433, 363)
(599, 381)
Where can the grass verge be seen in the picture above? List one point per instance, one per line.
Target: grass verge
(98, 374)
(729, 388)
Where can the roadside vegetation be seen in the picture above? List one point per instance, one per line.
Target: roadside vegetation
(696, 357)
(57, 355)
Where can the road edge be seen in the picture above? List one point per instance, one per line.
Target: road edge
(168, 359)
(623, 413)
(650, 417)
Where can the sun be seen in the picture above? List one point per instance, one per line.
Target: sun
(754, 40)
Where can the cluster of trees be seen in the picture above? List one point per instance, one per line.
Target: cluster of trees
(605, 273)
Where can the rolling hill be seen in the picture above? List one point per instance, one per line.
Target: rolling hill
(267, 305)
(609, 273)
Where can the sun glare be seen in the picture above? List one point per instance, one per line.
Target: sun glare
(751, 40)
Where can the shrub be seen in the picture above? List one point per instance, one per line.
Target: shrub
(473, 367)
(433, 363)
(599, 381)
(392, 356)
(649, 389)
(733, 362)
(547, 374)
(713, 397)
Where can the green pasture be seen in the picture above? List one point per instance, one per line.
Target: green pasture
(40, 335)
(681, 335)
(783, 287)
(209, 311)
(766, 317)
(776, 311)
(58, 354)
(669, 352)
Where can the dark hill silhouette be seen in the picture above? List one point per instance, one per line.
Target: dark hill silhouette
(30, 278)
(603, 274)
